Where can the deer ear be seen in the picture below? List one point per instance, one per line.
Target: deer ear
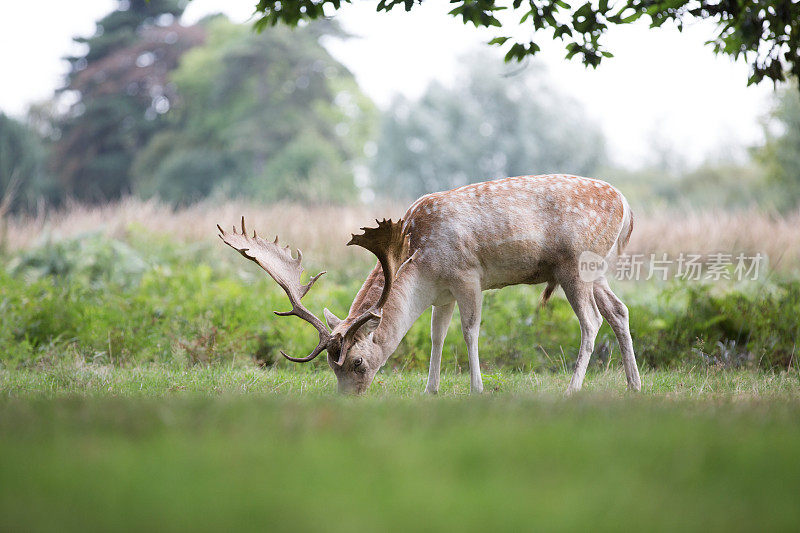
(364, 325)
(368, 327)
(331, 319)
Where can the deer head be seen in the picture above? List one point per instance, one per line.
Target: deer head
(352, 353)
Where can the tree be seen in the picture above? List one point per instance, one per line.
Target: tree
(781, 151)
(23, 176)
(765, 32)
(486, 126)
(120, 90)
(268, 115)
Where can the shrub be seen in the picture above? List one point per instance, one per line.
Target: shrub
(108, 301)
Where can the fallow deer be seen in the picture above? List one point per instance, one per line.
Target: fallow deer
(448, 248)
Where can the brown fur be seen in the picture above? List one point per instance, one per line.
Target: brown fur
(575, 196)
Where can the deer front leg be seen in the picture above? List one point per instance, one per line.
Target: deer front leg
(469, 305)
(440, 319)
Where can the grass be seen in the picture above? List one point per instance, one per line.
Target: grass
(164, 289)
(125, 304)
(212, 448)
(131, 399)
(321, 231)
(70, 380)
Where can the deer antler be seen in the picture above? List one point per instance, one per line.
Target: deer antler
(391, 248)
(286, 271)
(389, 245)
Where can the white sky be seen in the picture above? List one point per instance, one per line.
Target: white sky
(661, 84)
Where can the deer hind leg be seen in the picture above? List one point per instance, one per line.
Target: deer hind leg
(469, 306)
(580, 295)
(440, 319)
(616, 314)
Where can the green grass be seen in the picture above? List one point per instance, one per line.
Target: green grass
(129, 399)
(157, 380)
(88, 447)
(148, 300)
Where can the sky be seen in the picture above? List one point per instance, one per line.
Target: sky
(662, 89)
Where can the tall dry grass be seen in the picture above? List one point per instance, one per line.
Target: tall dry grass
(321, 231)
(715, 230)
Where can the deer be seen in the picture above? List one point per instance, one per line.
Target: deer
(447, 249)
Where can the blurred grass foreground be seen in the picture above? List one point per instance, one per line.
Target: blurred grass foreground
(172, 460)
(213, 447)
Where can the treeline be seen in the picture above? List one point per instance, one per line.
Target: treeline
(157, 108)
(182, 112)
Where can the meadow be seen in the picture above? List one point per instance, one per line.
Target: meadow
(210, 448)
(141, 387)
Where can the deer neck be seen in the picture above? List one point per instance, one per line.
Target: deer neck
(406, 302)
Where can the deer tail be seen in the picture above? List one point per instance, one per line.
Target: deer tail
(627, 226)
(548, 292)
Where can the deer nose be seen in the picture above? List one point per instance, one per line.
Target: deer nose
(351, 389)
(347, 389)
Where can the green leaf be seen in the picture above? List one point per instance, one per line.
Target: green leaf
(499, 40)
(586, 10)
(491, 21)
(517, 51)
(632, 18)
(562, 30)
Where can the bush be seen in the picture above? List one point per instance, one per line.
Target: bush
(107, 301)
(732, 329)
